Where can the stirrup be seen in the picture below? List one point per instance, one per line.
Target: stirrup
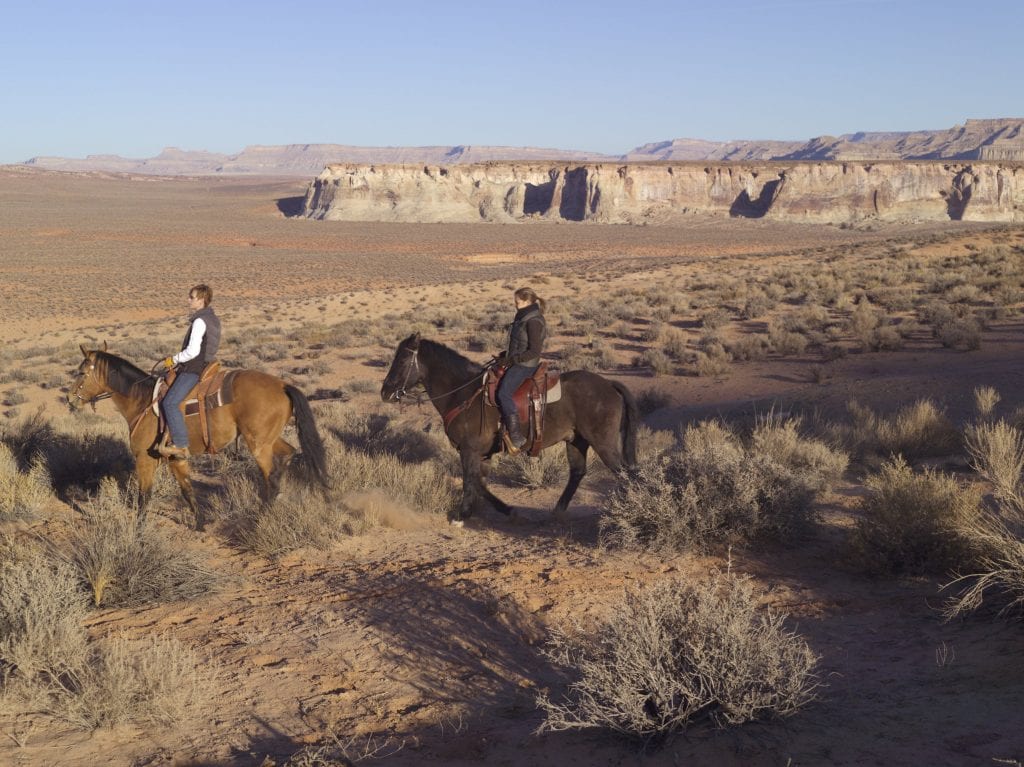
(507, 442)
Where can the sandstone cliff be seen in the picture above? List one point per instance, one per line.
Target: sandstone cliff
(827, 192)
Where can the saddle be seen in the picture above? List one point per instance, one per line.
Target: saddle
(212, 391)
(531, 399)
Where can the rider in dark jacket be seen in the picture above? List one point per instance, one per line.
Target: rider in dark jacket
(525, 344)
(197, 351)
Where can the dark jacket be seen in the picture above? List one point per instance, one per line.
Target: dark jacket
(526, 336)
(211, 341)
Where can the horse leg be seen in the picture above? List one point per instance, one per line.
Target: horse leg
(576, 453)
(180, 471)
(280, 456)
(145, 467)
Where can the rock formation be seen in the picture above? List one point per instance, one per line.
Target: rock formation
(826, 192)
(999, 139)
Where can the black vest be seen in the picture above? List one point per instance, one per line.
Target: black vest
(211, 341)
(518, 336)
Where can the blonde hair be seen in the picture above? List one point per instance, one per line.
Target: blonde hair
(528, 295)
(202, 291)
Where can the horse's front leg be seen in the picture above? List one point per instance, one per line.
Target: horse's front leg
(145, 466)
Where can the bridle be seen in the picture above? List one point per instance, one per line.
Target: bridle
(76, 391)
(401, 390)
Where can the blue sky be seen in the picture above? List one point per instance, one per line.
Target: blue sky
(131, 78)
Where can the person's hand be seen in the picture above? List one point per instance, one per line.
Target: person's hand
(162, 366)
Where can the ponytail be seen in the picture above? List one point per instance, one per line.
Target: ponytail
(528, 294)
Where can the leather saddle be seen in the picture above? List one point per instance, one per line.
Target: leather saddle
(213, 390)
(531, 398)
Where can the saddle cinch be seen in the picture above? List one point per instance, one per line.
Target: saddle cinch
(212, 391)
(531, 399)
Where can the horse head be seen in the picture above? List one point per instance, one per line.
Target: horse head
(89, 385)
(404, 372)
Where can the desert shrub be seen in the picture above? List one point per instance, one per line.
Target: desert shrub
(547, 469)
(910, 521)
(576, 357)
(118, 681)
(675, 655)
(985, 400)
(748, 347)
(964, 333)
(22, 493)
(304, 516)
(128, 563)
(650, 400)
(718, 488)
(78, 453)
(914, 431)
(785, 342)
(757, 304)
(656, 360)
(377, 434)
(713, 318)
(652, 444)
(42, 609)
(996, 574)
(674, 344)
(297, 519)
(715, 361)
(652, 332)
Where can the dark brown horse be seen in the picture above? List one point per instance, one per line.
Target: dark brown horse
(260, 408)
(592, 412)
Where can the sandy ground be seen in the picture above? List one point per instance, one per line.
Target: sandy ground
(422, 645)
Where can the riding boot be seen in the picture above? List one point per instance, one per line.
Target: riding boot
(515, 436)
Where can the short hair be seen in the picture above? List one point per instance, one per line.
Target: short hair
(203, 292)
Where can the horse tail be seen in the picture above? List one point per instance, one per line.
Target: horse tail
(309, 438)
(630, 422)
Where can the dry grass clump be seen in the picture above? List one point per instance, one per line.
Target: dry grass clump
(305, 516)
(126, 562)
(915, 431)
(547, 469)
(911, 522)
(676, 655)
(716, 487)
(42, 608)
(47, 663)
(22, 493)
(997, 534)
(78, 453)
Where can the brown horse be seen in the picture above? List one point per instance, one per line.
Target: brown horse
(592, 412)
(261, 406)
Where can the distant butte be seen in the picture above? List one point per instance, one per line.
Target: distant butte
(988, 140)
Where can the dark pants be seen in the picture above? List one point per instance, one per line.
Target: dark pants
(171, 404)
(511, 381)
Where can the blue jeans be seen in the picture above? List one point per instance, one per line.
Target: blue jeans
(511, 381)
(172, 407)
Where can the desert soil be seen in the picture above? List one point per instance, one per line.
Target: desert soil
(420, 643)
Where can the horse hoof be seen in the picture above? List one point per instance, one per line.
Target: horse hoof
(456, 523)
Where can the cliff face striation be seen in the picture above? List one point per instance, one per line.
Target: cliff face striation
(826, 192)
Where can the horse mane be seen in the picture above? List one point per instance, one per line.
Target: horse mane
(122, 376)
(461, 367)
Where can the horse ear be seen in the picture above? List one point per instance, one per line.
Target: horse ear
(85, 352)
(415, 340)
(104, 346)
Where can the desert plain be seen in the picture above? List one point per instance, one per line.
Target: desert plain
(403, 640)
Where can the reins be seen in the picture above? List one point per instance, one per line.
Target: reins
(454, 412)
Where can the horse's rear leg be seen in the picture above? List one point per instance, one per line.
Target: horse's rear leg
(179, 468)
(576, 453)
(271, 458)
